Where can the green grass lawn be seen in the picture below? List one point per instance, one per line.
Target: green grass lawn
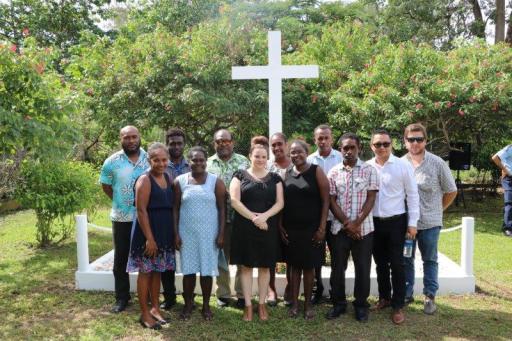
(38, 300)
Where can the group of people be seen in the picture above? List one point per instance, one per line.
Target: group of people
(255, 212)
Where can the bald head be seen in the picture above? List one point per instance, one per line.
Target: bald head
(128, 130)
(224, 133)
(130, 140)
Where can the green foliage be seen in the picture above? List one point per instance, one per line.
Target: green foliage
(463, 95)
(56, 190)
(52, 23)
(34, 110)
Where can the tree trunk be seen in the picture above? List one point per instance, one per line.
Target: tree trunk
(479, 24)
(508, 39)
(500, 21)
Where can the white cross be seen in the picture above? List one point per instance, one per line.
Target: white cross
(275, 72)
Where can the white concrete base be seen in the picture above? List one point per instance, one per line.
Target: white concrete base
(452, 279)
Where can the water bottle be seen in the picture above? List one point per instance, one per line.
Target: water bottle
(408, 248)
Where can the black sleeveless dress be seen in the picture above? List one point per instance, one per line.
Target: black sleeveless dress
(301, 218)
(251, 246)
(161, 223)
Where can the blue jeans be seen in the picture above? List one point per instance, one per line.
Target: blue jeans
(427, 242)
(506, 183)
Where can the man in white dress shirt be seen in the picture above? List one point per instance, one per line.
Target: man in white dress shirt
(395, 215)
(326, 158)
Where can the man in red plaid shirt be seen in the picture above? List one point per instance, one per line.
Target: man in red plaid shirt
(353, 188)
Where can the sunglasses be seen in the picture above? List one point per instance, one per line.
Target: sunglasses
(382, 144)
(415, 139)
(222, 142)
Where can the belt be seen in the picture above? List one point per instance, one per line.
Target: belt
(393, 217)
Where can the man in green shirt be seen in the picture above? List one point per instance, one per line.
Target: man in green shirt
(224, 163)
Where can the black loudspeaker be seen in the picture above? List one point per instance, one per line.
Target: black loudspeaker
(460, 156)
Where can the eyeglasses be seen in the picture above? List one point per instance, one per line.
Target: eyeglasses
(415, 139)
(222, 141)
(382, 144)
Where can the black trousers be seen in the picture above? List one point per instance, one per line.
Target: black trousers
(122, 233)
(168, 278)
(362, 256)
(329, 240)
(388, 246)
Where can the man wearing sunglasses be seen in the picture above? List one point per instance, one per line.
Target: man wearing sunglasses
(223, 164)
(393, 220)
(503, 159)
(437, 190)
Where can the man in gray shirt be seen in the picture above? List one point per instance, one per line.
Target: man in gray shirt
(437, 190)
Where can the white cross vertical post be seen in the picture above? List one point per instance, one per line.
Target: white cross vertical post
(275, 72)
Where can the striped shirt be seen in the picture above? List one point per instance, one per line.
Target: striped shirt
(351, 186)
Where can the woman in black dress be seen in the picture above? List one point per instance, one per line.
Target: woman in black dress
(256, 197)
(306, 193)
(152, 239)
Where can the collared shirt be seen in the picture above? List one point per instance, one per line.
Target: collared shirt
(121, 173)
(176, 170)
(326, 163)
(397, 186)
(274, 168)
(505, 156)
(434, 179)
(351, 186)
(224, 170)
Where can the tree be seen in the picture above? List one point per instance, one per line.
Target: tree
(56, 190)
(34, 108)
(499, 32)
(462, 95)
(51, 22)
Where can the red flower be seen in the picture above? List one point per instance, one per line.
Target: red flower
(314, 98)
(419, 106)
(13, 48)
(461, 113)
(449, 104)
(25, 32)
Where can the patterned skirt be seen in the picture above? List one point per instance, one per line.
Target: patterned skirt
(163, 261)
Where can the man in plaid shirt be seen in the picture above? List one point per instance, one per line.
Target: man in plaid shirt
(353, 188)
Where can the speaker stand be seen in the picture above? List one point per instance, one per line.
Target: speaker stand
(460, 191)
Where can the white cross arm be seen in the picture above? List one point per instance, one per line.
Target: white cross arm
(280, 72)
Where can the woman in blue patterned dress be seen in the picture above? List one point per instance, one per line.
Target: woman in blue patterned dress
(200, 214)
(152, 242)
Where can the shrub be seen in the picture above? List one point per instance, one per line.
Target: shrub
(56, 190)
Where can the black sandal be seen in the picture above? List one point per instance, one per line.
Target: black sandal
(207, 315)
(144, 324)
(160, 321)
(185, 314)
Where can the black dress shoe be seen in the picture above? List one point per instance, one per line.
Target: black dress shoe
(240, 303)
(361, 314)
(168, 304)
(119, 306)
(336, 311)
(317, 299)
